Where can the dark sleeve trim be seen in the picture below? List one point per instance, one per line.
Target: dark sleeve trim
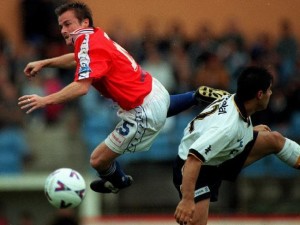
(196, 154)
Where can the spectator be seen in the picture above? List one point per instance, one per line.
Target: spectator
(204, 41)
(160, 68)
(212, 72)
(181, 67)
(14, 151)
(287, 48)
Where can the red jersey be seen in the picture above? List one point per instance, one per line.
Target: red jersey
(115, 73)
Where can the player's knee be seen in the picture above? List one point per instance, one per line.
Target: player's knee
(97, 162)
(94, 161)
(276, 140)
(101, 158)
(198, 221)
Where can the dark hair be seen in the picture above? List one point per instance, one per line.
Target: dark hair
(251, 80)
(82, 11)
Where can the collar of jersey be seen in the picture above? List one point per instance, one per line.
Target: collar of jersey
(81, 31)
(241, 109)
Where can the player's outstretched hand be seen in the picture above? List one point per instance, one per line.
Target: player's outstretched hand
(184, 212)
(31, 102)
(33, 68)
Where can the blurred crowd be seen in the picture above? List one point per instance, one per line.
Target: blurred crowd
(180, 62)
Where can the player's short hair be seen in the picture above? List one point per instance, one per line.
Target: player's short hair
(251, 80)
(82, 11)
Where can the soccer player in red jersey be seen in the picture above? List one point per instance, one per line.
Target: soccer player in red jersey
(103, 64)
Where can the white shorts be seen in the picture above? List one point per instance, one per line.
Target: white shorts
(139, 126)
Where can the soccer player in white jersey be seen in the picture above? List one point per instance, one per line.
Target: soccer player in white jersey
(221, 140)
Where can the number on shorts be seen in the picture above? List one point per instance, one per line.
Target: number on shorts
(124, 130)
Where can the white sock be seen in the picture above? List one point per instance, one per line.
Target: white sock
(290, 153)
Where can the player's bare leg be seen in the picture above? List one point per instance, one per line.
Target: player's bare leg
(102, 157)
(200, 216)
(111, 177)
(274, 143)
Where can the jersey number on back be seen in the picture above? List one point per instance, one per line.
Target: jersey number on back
(201, 116)
(125, 53)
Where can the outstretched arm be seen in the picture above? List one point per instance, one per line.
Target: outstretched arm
(70, 92)
(66, 61)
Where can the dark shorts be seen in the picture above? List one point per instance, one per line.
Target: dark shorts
(210, 177)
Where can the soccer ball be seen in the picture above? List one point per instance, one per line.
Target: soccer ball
(65, 188)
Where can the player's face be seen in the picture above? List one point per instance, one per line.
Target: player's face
(265, 98)
(68, 23)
